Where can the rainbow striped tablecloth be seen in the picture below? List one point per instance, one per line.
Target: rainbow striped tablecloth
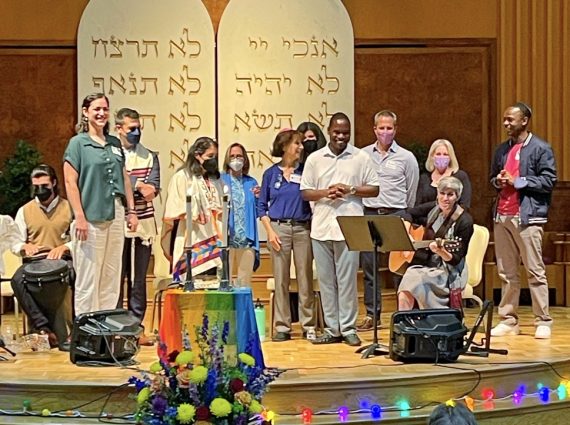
(184, 310)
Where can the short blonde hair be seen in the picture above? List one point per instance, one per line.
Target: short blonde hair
(385, 113)
(453, 163)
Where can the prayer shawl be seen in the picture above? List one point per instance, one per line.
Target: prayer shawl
(205, 237)
(139, 163)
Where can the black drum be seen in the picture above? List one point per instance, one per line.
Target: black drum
(47, 281)
(42, 272)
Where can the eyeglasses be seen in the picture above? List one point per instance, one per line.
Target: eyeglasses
(133, 128)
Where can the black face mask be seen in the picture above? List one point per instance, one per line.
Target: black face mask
(309, 146)
(211, 166)
(42, 192)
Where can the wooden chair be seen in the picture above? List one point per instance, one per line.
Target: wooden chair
(293, 288)
(12, 263)
(474, 260)
(161, 281)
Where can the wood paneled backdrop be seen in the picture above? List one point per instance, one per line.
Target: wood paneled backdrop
(437, 92)
(447, 84)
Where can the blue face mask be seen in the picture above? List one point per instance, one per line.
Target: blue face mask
(134, 136)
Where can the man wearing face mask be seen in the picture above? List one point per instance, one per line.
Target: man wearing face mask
(43, 227)
(398, 173)
(143, 169)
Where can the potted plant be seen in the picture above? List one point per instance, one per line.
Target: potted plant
(15, 177)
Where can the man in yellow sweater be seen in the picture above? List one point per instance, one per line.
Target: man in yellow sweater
(43, 225)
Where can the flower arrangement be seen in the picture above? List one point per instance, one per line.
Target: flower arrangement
(185, 388)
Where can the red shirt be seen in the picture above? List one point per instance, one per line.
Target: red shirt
(508, 196)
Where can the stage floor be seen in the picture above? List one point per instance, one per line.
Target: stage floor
(323, 378)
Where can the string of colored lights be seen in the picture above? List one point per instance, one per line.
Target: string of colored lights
(487, 401)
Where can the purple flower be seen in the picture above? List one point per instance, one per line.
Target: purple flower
(159, 405)
(186, 340)
(226, 331)
(205, 326)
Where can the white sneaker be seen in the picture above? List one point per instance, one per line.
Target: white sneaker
(542, 332)
(505, 330)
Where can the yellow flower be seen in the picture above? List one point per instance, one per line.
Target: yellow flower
(155, 367)
(46, 412)
(246, 359)
(243, 397)
(255, 407)
(143, 395)
(198, 375)
(186, 413)
(184, 358)
(220, 407)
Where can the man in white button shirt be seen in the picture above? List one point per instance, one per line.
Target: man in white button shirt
(336, 178)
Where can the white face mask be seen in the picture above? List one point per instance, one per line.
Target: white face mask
(236, 164)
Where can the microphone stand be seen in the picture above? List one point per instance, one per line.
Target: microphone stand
(225, 277)
(375, 348)
(189, 281)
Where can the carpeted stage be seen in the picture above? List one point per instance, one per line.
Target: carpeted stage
(324, 378)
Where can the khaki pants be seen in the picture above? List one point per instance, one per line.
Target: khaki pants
(243, 259)
(297, 239)
(513, 243)
(97, 263)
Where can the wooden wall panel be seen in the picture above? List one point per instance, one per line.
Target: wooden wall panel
(534, 63)
(37, 97)
(437, 92)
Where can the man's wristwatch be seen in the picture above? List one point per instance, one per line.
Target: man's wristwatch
(352, 190)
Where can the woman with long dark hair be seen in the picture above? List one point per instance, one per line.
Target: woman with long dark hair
(98, 189)
(313, 138)
(199, 178)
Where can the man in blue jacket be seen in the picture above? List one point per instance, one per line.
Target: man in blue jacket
(524, 173)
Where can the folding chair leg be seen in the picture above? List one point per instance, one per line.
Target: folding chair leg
(478, 300)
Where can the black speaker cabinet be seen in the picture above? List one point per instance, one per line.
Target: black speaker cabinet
(106, 336)
(427, 335)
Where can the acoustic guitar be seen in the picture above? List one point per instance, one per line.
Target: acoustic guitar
(399, 261)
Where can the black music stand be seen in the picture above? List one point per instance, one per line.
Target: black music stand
(375, 233)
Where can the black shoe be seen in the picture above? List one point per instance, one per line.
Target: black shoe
(65, 346)
(281, 336)
(304, 334)
(352, 339)
(327, 338)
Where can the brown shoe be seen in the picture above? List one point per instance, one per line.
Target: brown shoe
(367, 324)
(52, 337)
(146, 341)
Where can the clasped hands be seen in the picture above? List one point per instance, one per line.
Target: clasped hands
(505, 178)
(338, 190)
